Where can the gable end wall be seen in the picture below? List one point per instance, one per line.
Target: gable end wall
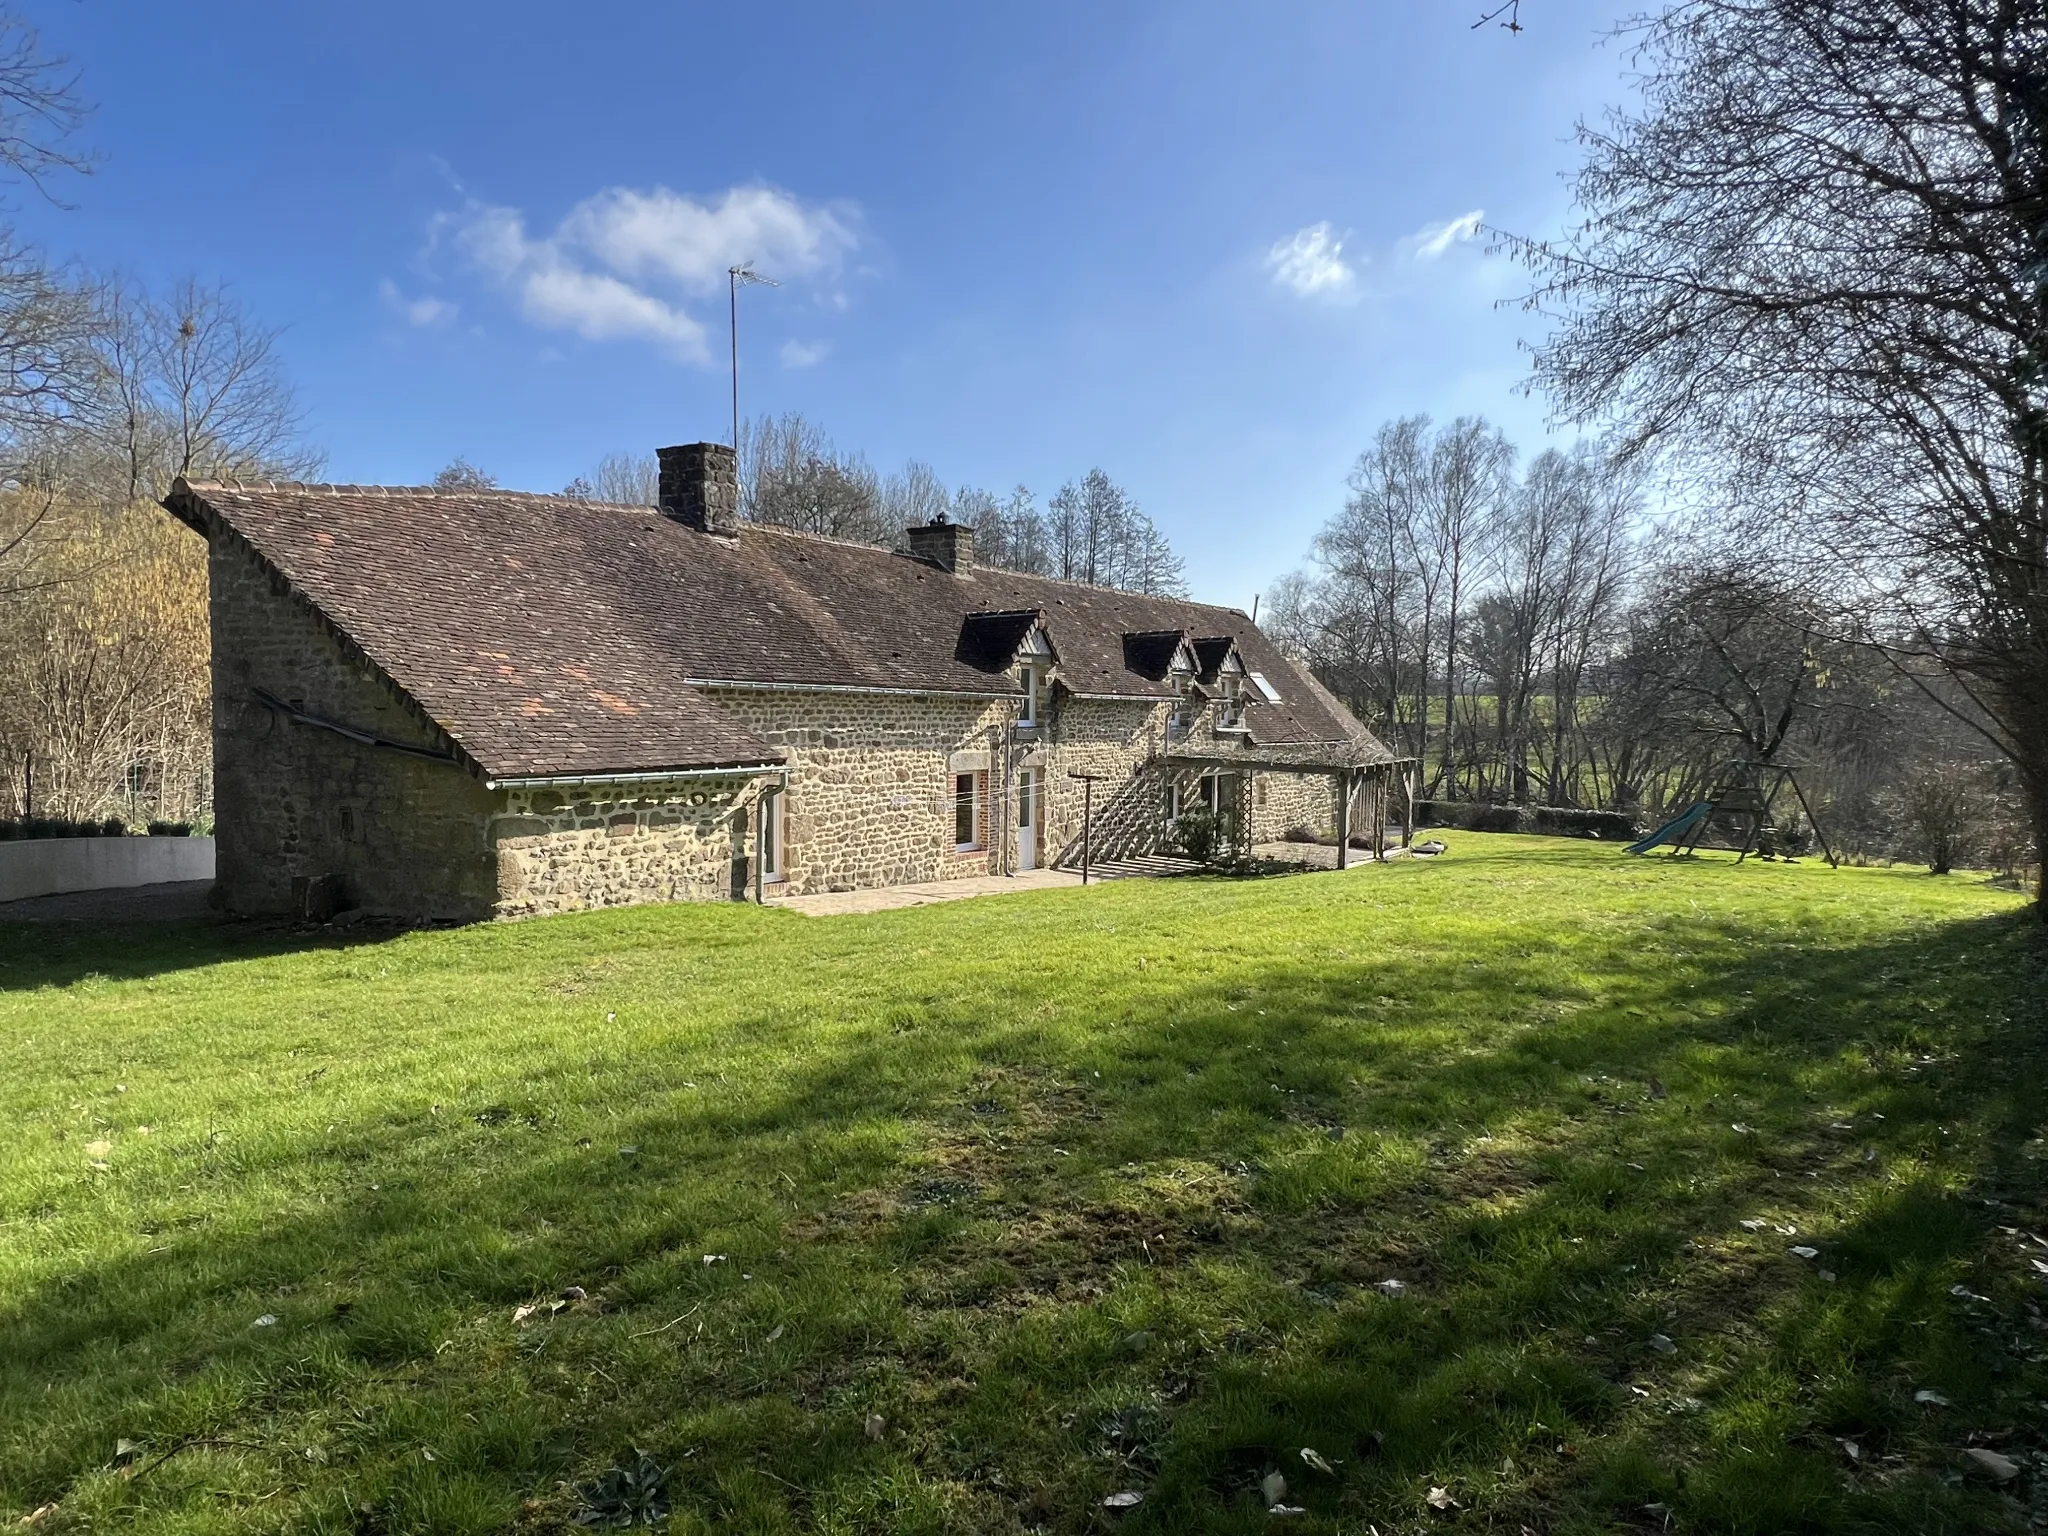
(403, 837)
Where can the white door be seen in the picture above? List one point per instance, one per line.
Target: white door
(1027, 819)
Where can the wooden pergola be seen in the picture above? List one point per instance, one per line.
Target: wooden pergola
(1355, 767)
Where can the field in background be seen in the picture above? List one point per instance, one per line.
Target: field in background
(968, 1217)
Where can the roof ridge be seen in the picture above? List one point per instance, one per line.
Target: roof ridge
(556, 498)
(342, 488)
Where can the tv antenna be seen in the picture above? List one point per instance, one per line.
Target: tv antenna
(742, 274)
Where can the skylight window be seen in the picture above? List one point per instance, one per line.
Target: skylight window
(1259, 682)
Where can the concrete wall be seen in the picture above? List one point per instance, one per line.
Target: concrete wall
(44, 866)
(402, 836)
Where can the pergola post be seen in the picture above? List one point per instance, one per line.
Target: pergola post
(1344, 820)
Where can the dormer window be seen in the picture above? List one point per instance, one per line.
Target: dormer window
(1031, 681)
(1230, 709)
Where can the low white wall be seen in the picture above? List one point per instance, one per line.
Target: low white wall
(44, 866)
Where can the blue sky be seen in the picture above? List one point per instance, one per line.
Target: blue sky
(1208, 248)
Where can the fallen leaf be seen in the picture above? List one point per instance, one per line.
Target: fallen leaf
(1130, 1498)
(267, 1320)
(876, 1426)
(775, 1333)
(1392, 1287)
(574, 1293)
(1656, 1089)
(1800, 1251)
(1314, 1460)
(1930, 1397)
(1274, 1486)
(1286, 1509)
(521, 1314)
(713, 1258)
(629, 1151)
(97, 1149)
(2003, 1468)
(1440, 1498)
(1850, 1449)
(1740, 1129)
(126, 1450)
(1662, 1344)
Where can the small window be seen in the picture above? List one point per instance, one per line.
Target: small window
(1230, 712)
(1028, 715)
(1212, 793)
(966, 811)
(1259, 682)
(771, 835)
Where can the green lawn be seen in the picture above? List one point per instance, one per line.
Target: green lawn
(963, 1218)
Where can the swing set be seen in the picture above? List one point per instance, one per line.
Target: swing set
(1742, 789)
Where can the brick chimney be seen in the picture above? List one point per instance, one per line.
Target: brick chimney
(700, 487)
(949, 546)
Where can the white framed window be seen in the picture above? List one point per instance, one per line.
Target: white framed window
(771, 835)
(1031, 680)
(1212, 793)
(967, 811)
(1230, 711)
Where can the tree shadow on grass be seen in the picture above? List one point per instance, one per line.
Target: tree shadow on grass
(61, 954)
(1149, 1255)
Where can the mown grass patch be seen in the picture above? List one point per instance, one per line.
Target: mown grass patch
(966, 1217)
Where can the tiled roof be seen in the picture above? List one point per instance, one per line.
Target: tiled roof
(554, 636)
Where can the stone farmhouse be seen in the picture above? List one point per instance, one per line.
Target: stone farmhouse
(461, 705)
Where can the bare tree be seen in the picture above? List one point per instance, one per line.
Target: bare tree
(40, 108)
(1812, 265)
(793, 476)
(621, 479)
(913, 496)
(461, 475)
(1470, 468)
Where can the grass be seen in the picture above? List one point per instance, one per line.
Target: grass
(963, 1218)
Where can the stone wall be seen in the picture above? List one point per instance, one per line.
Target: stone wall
(398, 834)
(564, 850)
(1282, 802)
(870, 794)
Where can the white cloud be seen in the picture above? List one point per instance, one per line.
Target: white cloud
(424, 312)
(1432, 240)
(801, 354)
(622, 263)
(1311, 262)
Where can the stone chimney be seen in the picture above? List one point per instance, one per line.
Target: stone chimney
(700, 487)
(949, 546)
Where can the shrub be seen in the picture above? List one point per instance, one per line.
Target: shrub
(1199, 833)
(1562, 821)
(1552, 820)
(25, 829)
(170, 829)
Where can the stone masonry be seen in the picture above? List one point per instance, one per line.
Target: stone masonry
(398, 833)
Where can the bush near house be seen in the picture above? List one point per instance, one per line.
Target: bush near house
(1562, 1183)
